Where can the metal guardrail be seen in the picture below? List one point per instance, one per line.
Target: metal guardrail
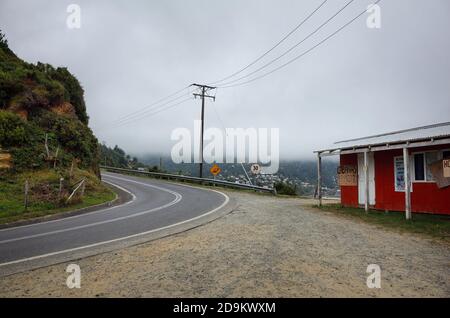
(193, 179)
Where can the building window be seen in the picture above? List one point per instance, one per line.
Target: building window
(446, 154)
(419, 167)
(422, 165)
(430, 158)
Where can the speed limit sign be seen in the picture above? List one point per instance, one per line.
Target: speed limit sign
(255, 169)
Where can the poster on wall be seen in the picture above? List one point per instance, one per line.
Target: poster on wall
(399, 174)
(446, 168)
(347, 175)
(438, 170)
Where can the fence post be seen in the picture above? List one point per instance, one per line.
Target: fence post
(27, 186)
(71, 170)
(83, 187)
(60, 187)
(56, 158)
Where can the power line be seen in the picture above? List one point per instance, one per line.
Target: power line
(303, 54)
(157, 111)
(273, 47)
(220, 120)
(156, 106)
(152, 109)
(293, 47)
(151, 105)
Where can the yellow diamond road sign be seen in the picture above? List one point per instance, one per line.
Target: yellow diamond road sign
(215, 170)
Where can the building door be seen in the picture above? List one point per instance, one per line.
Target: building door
(362, 179)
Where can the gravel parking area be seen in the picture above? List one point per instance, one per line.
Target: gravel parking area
(267, 247)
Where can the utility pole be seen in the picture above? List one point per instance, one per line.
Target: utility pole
(204, 90)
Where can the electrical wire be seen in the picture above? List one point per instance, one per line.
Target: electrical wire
(123, 118)
(139, 115)
(303, 54)
(293, 47)
(158, 111)
(273, 47)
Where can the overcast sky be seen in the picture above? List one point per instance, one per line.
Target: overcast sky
(128, 54)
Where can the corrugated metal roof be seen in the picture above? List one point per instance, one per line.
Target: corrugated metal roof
(435, 131)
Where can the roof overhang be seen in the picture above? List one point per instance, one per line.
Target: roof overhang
(383, 147)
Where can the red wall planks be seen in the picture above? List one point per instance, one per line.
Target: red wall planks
(349, 194)
(426, 196)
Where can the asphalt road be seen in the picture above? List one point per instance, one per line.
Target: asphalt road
(156, 206)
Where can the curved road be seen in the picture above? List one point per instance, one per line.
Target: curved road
(157, 207)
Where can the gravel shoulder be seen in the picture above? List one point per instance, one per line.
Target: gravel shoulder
(268, 247)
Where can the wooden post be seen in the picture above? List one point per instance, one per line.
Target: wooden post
(407, 183)
(56, 158)
(71, 169)
(83, 188)
(202, 132)
(366, 181)
(319, 178)
(203, 95)
(46, 146)
(27, 186)
(60, 187)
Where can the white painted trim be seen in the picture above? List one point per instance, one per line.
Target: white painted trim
(413, 172)
(360, 149)
(425, 152)
(370, 182)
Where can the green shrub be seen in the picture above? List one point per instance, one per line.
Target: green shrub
(285, 188)
(25, 140)
(12, 130)
(76, 138)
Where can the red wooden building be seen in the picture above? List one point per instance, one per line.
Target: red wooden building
(406, 170)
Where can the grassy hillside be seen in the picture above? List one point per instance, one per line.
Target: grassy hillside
(39, 102)
(44, 136)
(44, 193)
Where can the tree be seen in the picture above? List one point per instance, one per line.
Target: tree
(3, 40)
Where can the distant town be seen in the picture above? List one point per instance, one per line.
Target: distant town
(298, 174)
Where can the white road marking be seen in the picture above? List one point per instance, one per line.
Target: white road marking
(227, 199)
(177, 199)
(80, 215)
